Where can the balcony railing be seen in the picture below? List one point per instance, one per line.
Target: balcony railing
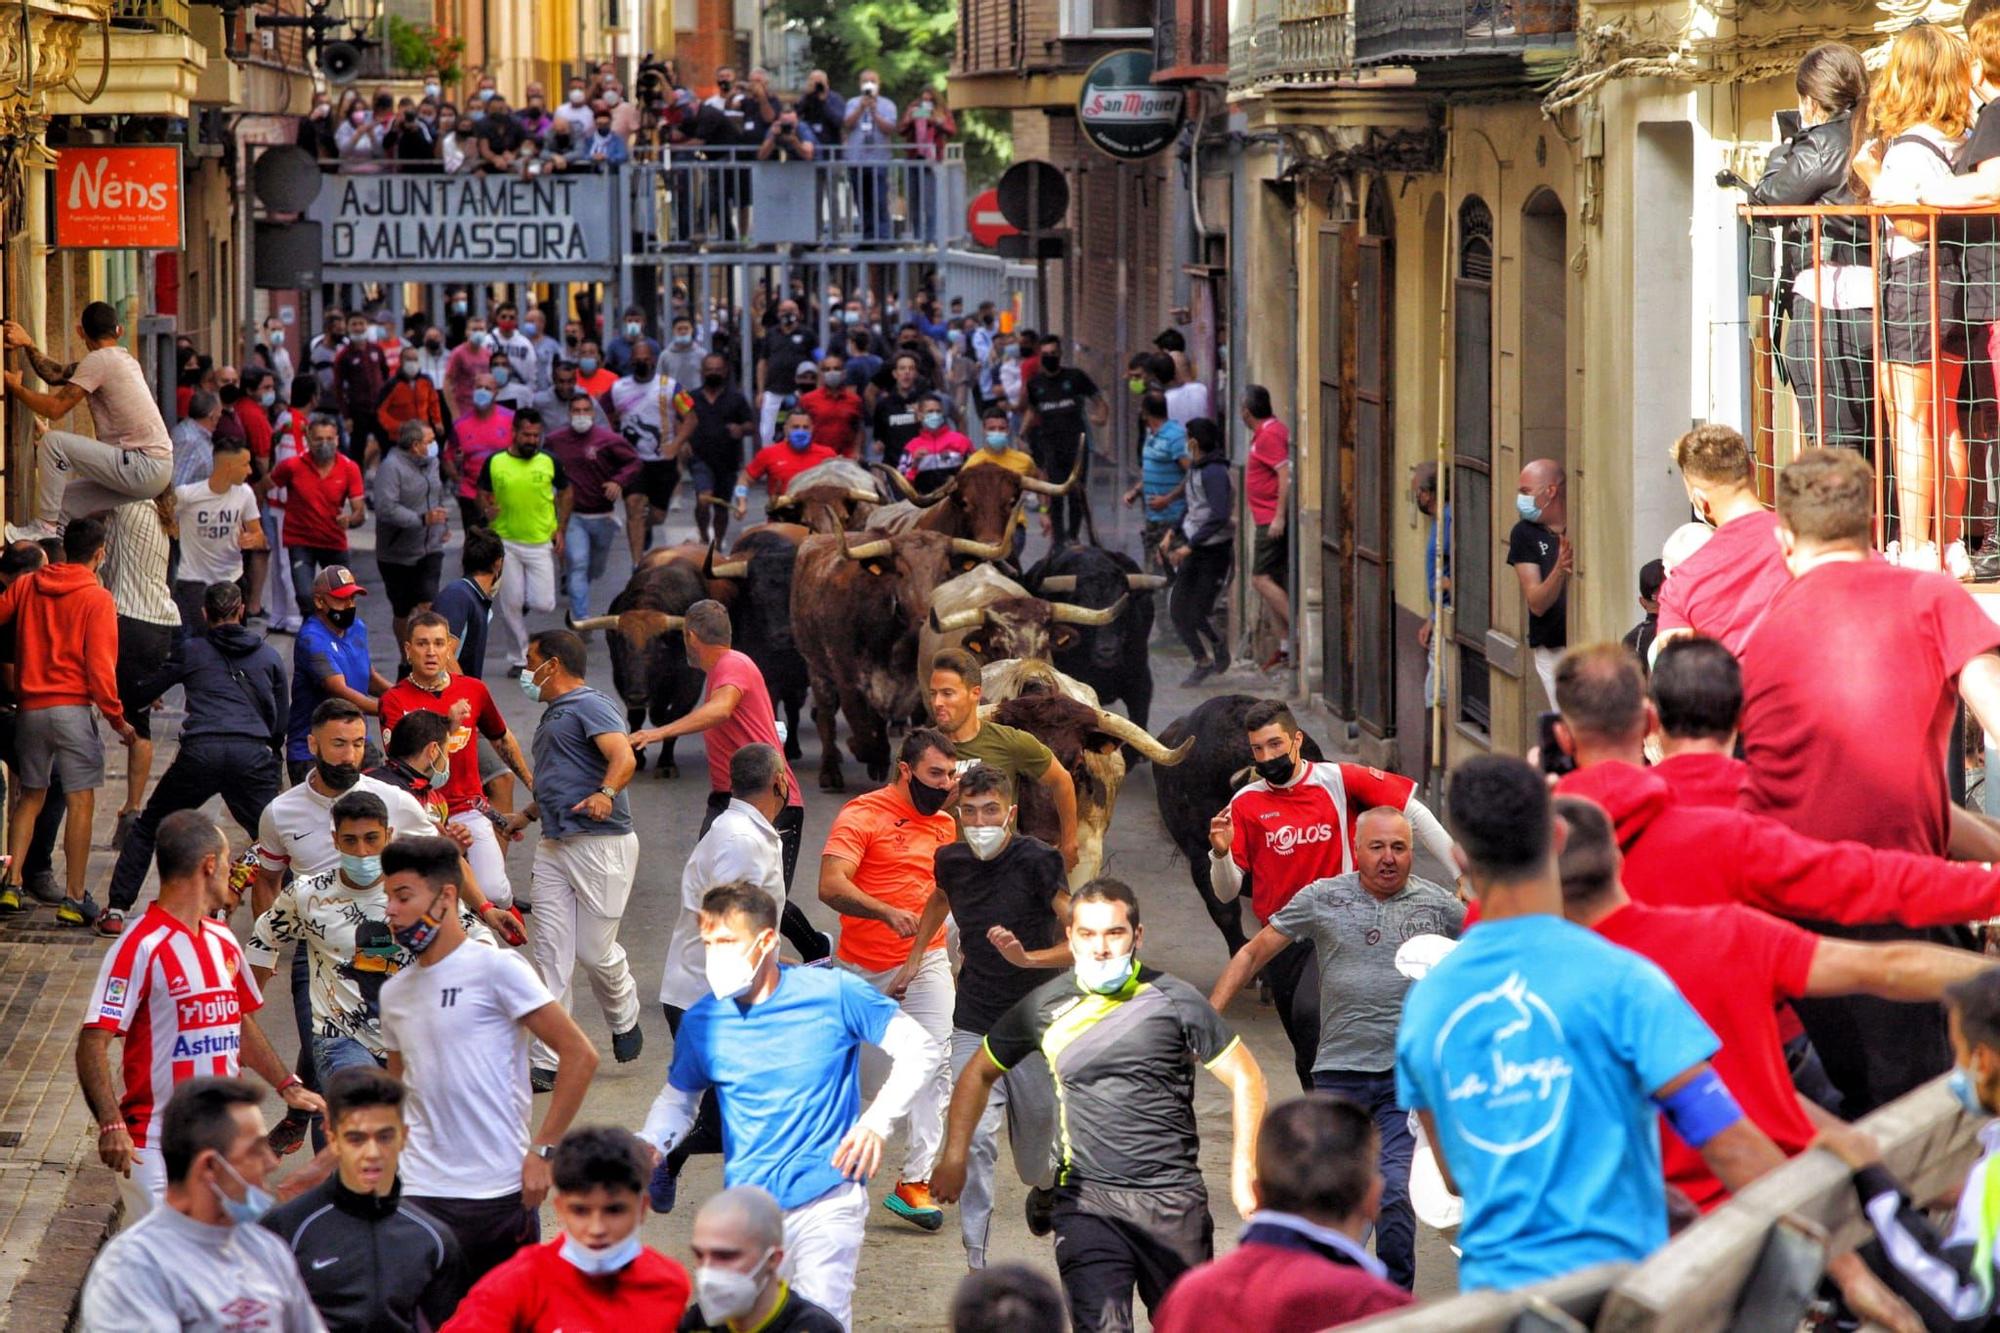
(1395, 31)
(167, 16)
(1292, 43)
(1190, 40)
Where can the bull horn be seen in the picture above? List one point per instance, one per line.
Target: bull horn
(1136, 736)
(594, 622)
(1139, 582)
(706, 499)
(648, 623)
(1059, 583)
(860, 496)
(728, 569)
(1068, 613)
(1041, 487)
(910, 492)
(984, 550)
(875, 550)
(964, 618)
(777, 502)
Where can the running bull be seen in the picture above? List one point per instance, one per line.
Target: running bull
(649, 662)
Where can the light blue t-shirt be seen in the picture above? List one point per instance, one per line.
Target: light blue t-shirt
(321, 651)
(1537, 1045)
(1160, 469)
(787, 1073)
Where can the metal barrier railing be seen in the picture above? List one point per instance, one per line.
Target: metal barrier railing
(726, 198)
(1867, 338)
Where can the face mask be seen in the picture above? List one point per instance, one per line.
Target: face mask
(1276, 770)
(642, 371)
(458, 307)
(421, 936)
(528, 686)
(442, 773)
(588, 365)
(507, 325)
(476, 115)
(1961, 1085)
(432, 90)
(600, 1263)
(431, 450)
(576, 97)
(729, 970)
(633, 328)
(799, 440)
(725, 1294)
(928, 799)
(433, 346)
(611, 97)
(996, 440)
(1527, 508)
(1104, 977)
(851, 317)
(1050, 363)
(833, 379)
(277, 337)
(409, 370)
(338, 777)
(340, 617)
(986, 842)
(1136, 384)
(712, 381)
(933, 420)
(482, 398)
(321, 453)
(532, 329)
(359, 118)
(486, 94)
(683, 341)
(267, 397)
(376, 333)
(361, 871)
(253, 1205)
(581, 425)
(501, 375)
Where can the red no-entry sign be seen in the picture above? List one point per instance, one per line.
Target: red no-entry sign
(985, 222)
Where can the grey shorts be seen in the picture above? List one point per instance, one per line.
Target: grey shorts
(60, 742)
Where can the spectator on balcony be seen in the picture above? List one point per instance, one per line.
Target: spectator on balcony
(413, 139)
(1829, 341)
(625, 118)
(534, 113)
(869, 130)
(790, 139)
(452, 145)
(316, 129)
(358, 141)
(575, 111)
(606, 148)
(1919, 111)
(823, 109)
(498, 138)
(562, 151)
(928, 125)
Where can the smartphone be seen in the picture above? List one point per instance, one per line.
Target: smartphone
(1554, 762)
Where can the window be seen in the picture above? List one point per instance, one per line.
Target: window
(1107, 18)
(1472, 462)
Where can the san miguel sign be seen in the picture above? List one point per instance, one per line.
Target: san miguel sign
(423, 228)
(1123, 112)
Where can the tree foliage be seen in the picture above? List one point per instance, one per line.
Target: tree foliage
(909, 43)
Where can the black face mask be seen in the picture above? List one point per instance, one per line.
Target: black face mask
(1276, 769)
(433, 345)
(642, 371)
(338, 777)
(1051, 362)
(713, 381)
(928, 799)
(340, 617)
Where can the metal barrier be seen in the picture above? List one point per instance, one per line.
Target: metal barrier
(1762, 1251)
(978, 277)
(1860, 338)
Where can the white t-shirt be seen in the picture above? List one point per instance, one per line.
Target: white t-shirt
(295, 832)
(1187, 402)
(120, 403)
(212, 531)
(640, 419)
(457, 1025)
(740, 846)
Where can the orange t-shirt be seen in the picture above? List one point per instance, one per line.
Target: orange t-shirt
(894, 851)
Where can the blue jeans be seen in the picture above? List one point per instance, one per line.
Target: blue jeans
(1396, 1225)
(587, 550)
(332, 1053)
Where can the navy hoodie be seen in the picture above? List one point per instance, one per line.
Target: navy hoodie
(235, 686)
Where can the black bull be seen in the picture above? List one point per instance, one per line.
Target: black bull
(649, 664)
(1194, 792)
(759, 570)
(1112, 659)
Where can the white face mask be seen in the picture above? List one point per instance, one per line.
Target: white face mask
(730, 971)
(986, 842)
(581, 425)
(725, 1294)
(1105, 976)
(600, 1263)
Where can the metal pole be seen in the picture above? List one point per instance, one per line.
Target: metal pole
(1121, 417)
(246, 272)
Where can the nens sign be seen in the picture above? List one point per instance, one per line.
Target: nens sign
(452, 228)
(124, 197)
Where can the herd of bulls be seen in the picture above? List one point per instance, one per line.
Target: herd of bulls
(847, 594)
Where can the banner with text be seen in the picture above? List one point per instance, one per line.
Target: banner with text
(420, 228)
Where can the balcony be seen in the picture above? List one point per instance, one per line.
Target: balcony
(1405, 31)
(1291, 44)
(1190, 41)
(157, 64)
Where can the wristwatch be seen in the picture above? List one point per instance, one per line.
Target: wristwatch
(543, 1150)
(608, 793)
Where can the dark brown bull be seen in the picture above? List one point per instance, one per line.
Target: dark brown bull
(857, 612)
(649, 664)
(983, 503)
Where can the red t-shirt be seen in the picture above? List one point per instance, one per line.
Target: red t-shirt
(836, 418)
(780, 462)
(1848, 696)
(753, 721)
(1287, 837)
(1723, 589)
(463, 791)
(1270, 448)
(539, 1291)
(1735, 965)
(313, 503)
(256, 426)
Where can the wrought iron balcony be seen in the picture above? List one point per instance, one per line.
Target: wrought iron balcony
(167, 16)
(1398, 31)
(1292, 43)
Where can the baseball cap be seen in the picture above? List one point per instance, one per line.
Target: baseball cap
(338, 581)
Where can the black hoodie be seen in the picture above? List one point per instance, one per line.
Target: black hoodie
(235, 686)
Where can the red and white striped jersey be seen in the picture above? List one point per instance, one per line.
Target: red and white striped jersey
(1287, 837)
(177, 997)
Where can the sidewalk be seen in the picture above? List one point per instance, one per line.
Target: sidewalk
(57, 1204)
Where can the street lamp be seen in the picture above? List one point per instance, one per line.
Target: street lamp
(338, 59)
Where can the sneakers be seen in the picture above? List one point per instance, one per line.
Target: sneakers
(542, 1080)
(1957, 563)
(289, 1135)
(625, 1046)
(42, 887)
(123, 829)
(911, 1201)
(1041, 1211)
(10, 899)
(663, 1186)
(77, 911)
(110, 923)
(1202, 671)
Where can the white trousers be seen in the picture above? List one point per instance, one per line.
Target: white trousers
(145, 1188)
(581, 887)
(487, 857)
(929, 1000)
(527, 583)
(768, 404)
(77, 475)
(1025, 1097)
(1545, 669)
(281, 605)
(823, 1248)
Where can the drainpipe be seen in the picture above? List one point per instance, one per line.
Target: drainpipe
(1439, 616)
